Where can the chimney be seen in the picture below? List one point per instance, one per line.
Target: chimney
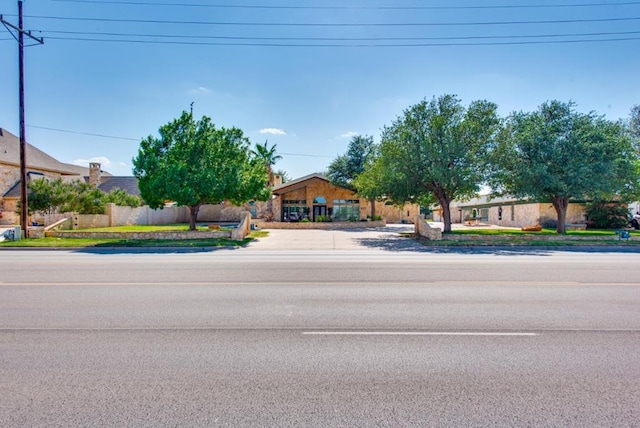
(94, 174)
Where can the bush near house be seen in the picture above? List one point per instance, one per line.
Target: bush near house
(606, 215)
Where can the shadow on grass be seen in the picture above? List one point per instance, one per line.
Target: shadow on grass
(412, 245)
(164, 247)
(150, 250)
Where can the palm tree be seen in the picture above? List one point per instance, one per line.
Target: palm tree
(268, 156)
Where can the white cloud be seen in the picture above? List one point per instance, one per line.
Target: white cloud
(349, 134)
(200, 90)
(273, 131)
(104, 162)
(123, 164)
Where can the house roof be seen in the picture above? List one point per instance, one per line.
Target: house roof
(36, 158)
(298, 182)
(128, 184)
(107, 184)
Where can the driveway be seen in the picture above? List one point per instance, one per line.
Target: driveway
(387, 238)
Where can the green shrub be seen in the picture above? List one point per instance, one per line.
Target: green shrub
(122, 198)
(607, 215)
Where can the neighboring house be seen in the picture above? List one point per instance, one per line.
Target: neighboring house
(313, 196)
(41, 165)
(509, 212)
(108, 183)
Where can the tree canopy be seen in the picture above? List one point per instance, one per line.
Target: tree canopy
(436, 151)
(634, 124)
(49, 196)
(344, 169)
(556, 154)
(194, 163)
(269, 156)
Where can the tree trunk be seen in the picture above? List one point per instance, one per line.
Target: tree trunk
(560, 205)
(446, 211)
(194, 215)
(373, 209)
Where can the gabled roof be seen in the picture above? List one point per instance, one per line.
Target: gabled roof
(128, 184)
(298, 182)
(36, 158)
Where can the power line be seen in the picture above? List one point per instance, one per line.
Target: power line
(336, 24)
(309, 156)
(67, 131)
(255, 6)
(182, 36)
(21, 34)
(84, 133)
(336, 45)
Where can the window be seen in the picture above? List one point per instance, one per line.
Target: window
(321, 200)
(499, 213)
(513, 213)
(346, 209)
(294, 210)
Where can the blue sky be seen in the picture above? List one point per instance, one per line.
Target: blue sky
(306, 99)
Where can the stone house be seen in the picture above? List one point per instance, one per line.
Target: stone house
(39, 164)
(313, 196)
(510, 212)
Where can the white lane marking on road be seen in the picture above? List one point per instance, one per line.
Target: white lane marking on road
(413, 333)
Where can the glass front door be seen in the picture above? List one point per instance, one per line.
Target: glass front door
(319, 210)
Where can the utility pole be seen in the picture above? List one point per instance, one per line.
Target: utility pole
(24, 206)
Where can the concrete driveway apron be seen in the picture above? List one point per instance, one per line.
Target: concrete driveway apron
(387, 238)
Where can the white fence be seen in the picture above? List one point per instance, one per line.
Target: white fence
(123, 216)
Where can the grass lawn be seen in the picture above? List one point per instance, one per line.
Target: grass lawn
(493, 232)
(78, 242)
(524, 242)
(146, 228)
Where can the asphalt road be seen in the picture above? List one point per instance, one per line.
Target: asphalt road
(257, 337)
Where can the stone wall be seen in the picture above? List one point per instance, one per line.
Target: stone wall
(311, 225)
(142, 235)
(393, 214)
(243, 229)
(9, 176)
(423, 229)
(575, 213)
(9, 215)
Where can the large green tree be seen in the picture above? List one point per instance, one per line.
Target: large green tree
(344, 169)
(634, 124)
(436, 151)
(557, 154)
(194, 163)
